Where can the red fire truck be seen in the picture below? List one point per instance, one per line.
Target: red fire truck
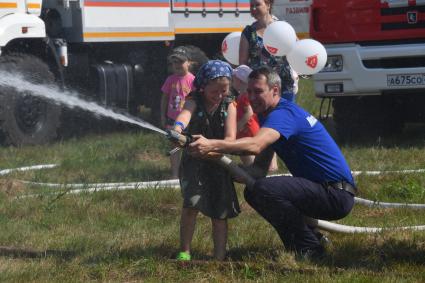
(375, 72)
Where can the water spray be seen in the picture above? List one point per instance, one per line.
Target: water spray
(69, 99)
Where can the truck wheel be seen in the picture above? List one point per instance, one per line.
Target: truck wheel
(26, 119)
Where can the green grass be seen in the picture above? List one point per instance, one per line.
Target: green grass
(132, 236)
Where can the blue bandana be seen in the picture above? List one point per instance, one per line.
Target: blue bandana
(211, 70)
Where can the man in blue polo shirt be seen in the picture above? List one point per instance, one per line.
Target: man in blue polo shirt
(322, 185)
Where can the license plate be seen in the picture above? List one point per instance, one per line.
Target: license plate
(406, 80)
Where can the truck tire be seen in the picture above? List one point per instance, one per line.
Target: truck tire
(26, 119)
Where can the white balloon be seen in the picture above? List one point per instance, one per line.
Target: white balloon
(230, 47)
(279, 38)
(307, 57)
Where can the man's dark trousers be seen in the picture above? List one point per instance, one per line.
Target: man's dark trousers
(284, 201)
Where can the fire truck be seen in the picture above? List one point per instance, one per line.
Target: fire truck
(375, 73)
(112, 51)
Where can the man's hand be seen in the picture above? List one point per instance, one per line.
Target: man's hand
(200, 147)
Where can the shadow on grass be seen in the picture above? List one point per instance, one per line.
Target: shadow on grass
(30, 253)
(256, 259)
(253, 252)
(251, 262)
(168, 252)
(376, 257)
(162, 252)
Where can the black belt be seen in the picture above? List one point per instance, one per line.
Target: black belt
(342, 185)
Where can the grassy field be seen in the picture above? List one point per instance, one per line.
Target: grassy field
(132, 235)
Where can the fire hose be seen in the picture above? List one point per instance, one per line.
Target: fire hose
(183, 140)
(248, 180)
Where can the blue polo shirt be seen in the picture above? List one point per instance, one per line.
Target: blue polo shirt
(305, 146)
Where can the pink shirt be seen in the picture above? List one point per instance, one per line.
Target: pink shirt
(177, 88)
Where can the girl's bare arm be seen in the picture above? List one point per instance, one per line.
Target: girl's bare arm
(230, 123)
(186, 114)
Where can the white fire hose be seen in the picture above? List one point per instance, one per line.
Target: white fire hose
(27, 168)
(321, 224)
(234, 169)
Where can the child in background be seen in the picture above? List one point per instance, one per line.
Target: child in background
(206, 186)
(247, 121)
(174, 91)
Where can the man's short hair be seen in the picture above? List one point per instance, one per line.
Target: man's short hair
(272, 77)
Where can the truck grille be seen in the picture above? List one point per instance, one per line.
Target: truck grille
(396, 18)
(393, 63)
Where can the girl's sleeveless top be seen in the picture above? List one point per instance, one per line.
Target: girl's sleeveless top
(206, 185)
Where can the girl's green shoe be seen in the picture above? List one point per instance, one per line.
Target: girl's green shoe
(183, 256)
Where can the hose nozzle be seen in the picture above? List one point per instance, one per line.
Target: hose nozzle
(182, 140)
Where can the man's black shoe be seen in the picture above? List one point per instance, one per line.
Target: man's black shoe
(311, 254)
(324, 240)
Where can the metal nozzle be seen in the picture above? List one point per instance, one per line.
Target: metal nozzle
(181, 139)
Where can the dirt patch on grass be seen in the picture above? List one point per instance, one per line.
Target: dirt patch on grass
(246, 208)
(376, 212)
(148, 156)
(11, 187)
(169, 208)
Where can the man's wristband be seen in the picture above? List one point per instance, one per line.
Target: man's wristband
(178, 123)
